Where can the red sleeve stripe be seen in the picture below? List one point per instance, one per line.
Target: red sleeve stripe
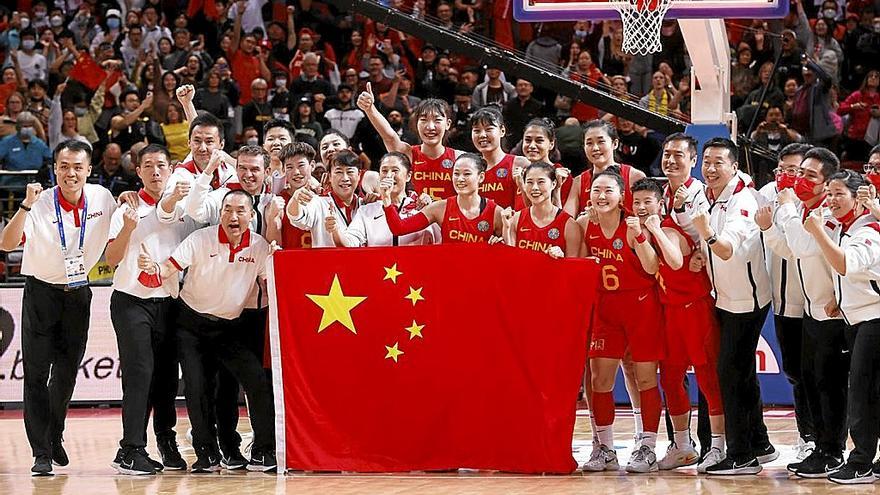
(176, 264)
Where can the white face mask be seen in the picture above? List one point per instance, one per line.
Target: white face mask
(252, 141)
(56, 21)
(829, 13)
(25, 22)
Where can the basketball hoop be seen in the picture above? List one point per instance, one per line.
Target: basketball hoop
(641, 24)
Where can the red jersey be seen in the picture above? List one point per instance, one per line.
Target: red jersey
(587, 183)
(499, 185)
(681, 286)
(293, 237)
(458, 228)
(433, 176)
(621, 268)
(530, 236)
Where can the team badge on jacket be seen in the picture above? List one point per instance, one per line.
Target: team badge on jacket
(447, 163)
(553, 233)
(617, 244)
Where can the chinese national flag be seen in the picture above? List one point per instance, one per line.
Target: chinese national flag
(428, 358)
(89, 73)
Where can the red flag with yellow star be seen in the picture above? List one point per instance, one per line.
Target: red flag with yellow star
(428, 358)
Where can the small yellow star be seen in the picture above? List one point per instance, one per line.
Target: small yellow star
(392, 273)
(415, 295)
(415, 330)
(393, 352)
(336, 306)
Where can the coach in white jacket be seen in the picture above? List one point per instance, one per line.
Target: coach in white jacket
(742, 292)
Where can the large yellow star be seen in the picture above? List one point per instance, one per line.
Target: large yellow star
(391, 273)
(337, 306)
(415, 295)
(393, 352)
(415, 330)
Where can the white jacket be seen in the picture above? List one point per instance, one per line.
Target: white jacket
(370, 228)
(311, 217)
(858, 292)
(741, 283)
(788, 293)
(813, 270)
(696, 202)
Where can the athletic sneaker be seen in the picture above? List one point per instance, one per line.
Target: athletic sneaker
(804, 448)
(158, 466)
(852, 475)
(42, 466)
(819, 465)
(207, 461)
(730, 467)
(171, 458)
(263, 461)
(135, 463)
(643, 460)
(767, 455)
(877, 470)
(677, 457)
(713, 457)
(234, 461)
(59, 455)
(602, 459)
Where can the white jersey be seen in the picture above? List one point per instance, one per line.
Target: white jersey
(311, 217)
(858, 292)
(370, 228)
(788, 293)
(188, 172)
(741, 282)
(696, 202)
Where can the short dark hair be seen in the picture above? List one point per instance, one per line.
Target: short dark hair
(603, 125)
(127, 92)
(205, 119)
(336, 132)
(647, 184)
(345, 159)
(74, 145)
(794, 149)
(488, 115)
(400, 157)
(875, 150)
(725, 143)
(545, 167)
(614, 175)
(830, 162)
(28, 32)
(478, 160)
(38, 82)
(851, 179)
(680, 136)
(153, 148)
(279, 123)
(241, 192)
(254, 150)
(297, 148)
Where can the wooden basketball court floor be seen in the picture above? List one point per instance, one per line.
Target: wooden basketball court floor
(92, 435)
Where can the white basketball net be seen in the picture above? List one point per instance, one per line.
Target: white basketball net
(641, 24)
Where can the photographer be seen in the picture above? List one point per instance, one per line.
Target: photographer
(862, 106)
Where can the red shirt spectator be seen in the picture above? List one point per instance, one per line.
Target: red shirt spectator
(246, 61)
(859, 106)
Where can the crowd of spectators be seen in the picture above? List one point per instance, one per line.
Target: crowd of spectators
(105, 72)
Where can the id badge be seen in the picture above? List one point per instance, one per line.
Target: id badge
(75, 266)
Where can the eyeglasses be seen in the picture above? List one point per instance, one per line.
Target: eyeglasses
(871, 169)
(778, 171)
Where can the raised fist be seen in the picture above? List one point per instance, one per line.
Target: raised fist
(32, 193)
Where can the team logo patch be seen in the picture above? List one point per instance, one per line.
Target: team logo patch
(501, 173)
(447, 163)
(553, 233)
(483, 226)
(617, 244)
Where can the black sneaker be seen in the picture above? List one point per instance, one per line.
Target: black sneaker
(120, 454)
(207, 461)
(59, 455)
(794, 466)
(234, 461)
(730, 467)
(820, 466)
(171, 458)
(263, 461)
(877, 470)
(767, 454)
(42, 466)
(158, 466)
(135, 463)
(852, 475)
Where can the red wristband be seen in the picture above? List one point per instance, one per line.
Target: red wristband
(641, 238)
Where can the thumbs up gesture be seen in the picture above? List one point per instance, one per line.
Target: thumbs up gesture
(145, 261)
(366, 99)
(330, 222)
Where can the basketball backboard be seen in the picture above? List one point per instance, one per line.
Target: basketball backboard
(583, 10)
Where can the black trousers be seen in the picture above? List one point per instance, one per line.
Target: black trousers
(864, 395)
(740, 391)
(790, 334)
(825, 375)
(55, 325)
(147, 346)
(251, 324)
(205, 344)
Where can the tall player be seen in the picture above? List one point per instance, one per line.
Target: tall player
(431, 160)
(539, 139)
(543, 226)
(628, 267)
(465, 217)
(501, 183)
(600, 141)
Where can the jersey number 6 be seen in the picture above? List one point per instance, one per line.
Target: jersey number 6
(609, 278)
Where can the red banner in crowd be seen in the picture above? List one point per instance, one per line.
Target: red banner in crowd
(90, 73)
(428, 358)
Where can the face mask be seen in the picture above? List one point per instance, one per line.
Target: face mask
(282, 116)
(113, 23)
(80, 111)
(848, 217)
(877, 28)
(56, 21)
(280, 83)
(829, 13)
(252, 141)
(803, 189)
(25, 22)
(40, 14)
(26, 132)
(785, 181)
(874, 179)
(28, 44)
(580, 34)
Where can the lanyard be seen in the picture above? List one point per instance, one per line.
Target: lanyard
(82, 221)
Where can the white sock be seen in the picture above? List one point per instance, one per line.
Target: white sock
(594, 429)
(649, 438)
(606, 436)
(682, 438)
(637, 417)
(719, 441)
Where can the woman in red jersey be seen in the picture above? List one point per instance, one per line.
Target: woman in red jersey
(543, 226)
(465, 217)
(539, 139)
(600, 141)
(431, 160)
(625, 320)
(487, 129)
